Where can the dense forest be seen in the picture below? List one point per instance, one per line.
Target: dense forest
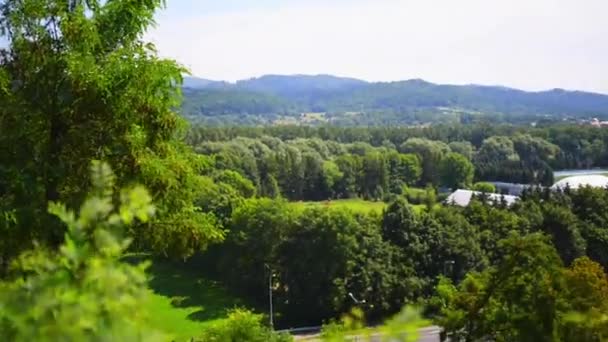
(346, 101)
(99, 172)
(315, 163)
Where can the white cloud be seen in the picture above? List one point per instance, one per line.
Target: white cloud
(528, 44)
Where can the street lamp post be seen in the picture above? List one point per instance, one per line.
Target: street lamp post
(270, 296)
(350, 294)
(445, 267)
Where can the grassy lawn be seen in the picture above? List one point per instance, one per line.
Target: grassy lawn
(418, 208)
(183, 303)
(353, 204)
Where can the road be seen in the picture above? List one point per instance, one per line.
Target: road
(430, 334)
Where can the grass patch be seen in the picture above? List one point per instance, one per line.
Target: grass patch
(183, 302)
(419, 208)
(354, 204)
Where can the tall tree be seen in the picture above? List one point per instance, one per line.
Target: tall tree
(564, 228)
(374, 176)
(77, 82)
(516, 300)
(430, 152)
(463, 147)
(497, 149)
(456, 171)
(404, 169)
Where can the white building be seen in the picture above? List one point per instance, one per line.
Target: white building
(575, 182)
(463, 198)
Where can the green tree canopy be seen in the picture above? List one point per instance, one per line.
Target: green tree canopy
(484, 187)
(517, 300)
(463, 147)
(456, 171)
(529, 148)
(431, 153)
(77, 82)
(83, 292)
(497, 149)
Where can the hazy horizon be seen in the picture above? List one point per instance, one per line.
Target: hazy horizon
(526, 45)
(409, 79)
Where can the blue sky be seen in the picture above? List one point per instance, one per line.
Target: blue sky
(529, 44)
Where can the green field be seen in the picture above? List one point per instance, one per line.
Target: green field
(184, 303)
(353, 204)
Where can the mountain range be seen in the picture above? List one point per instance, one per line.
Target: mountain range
(272, 96)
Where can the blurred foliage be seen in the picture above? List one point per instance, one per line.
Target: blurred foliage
(402, 327)
(82, 292)
(77, 83)
(243, 326)
(527, 296)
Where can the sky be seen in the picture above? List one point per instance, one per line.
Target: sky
(526, 44)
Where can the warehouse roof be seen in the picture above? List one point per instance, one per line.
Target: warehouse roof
(463, 198)
(575, 182)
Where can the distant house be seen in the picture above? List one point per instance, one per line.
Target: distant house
(597, 123)
(462, 198)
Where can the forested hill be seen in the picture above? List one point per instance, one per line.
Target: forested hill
(412, 101)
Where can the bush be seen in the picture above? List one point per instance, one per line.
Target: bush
(415, 195)
(484, 187)
(242, 325)
(403, 327)
(441, 197)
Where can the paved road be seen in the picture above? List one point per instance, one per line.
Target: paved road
(430, 334)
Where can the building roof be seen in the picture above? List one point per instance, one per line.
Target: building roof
(575, 182)
(463, 198)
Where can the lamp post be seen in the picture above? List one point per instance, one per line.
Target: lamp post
(357, 302)
(350, 294)
(270, 296)
(445, 267)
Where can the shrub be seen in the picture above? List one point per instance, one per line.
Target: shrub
(242, 325)
(403, 327)
(484, 187)
(415, 195)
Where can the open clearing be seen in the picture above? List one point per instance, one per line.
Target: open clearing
(354, 204)
(183, 302)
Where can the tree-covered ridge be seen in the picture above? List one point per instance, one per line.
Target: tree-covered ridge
(397, 102)
(216, 102)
